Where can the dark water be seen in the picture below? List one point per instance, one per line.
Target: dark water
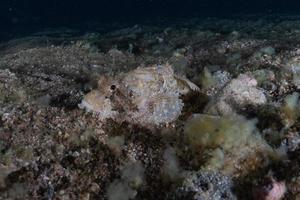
(17, 16)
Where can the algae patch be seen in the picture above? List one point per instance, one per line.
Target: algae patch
(290, 109)
(229, 144)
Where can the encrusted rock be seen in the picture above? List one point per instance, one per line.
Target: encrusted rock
(205, 185)
(212, 82)
(237, 95)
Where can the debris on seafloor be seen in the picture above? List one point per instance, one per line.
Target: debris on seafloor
(146, 95)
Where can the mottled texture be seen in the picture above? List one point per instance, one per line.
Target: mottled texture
(270, 190)
(237, 95)
(51, 149)
(231, 145)
(205, 185)
(146, 95)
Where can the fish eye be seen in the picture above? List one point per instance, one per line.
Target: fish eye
(113, 87)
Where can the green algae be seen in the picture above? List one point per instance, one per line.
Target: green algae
(228, 143)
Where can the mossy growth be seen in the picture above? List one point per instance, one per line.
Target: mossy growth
(265, 51)
(133, 174)
(171, 169)
(290, 109)
(24, 155)
(16, 96)
(232, 145)
(132, 177)
(120, 190)
(234, 58)
(296, 79)
(11, 89)
(206, 79)
(6, 158)
(116, 144)
(263, 75)
(82, 139)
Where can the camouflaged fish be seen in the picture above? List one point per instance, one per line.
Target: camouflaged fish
(146, 95)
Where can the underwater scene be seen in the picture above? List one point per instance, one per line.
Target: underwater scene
(149, 100)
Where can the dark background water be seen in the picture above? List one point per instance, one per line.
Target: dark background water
(16, 15)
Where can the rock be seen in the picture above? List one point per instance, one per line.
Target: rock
(237, 95)
(205, 185)
(212, 83)
(270, 190)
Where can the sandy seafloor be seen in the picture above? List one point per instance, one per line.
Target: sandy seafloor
(52, 149)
